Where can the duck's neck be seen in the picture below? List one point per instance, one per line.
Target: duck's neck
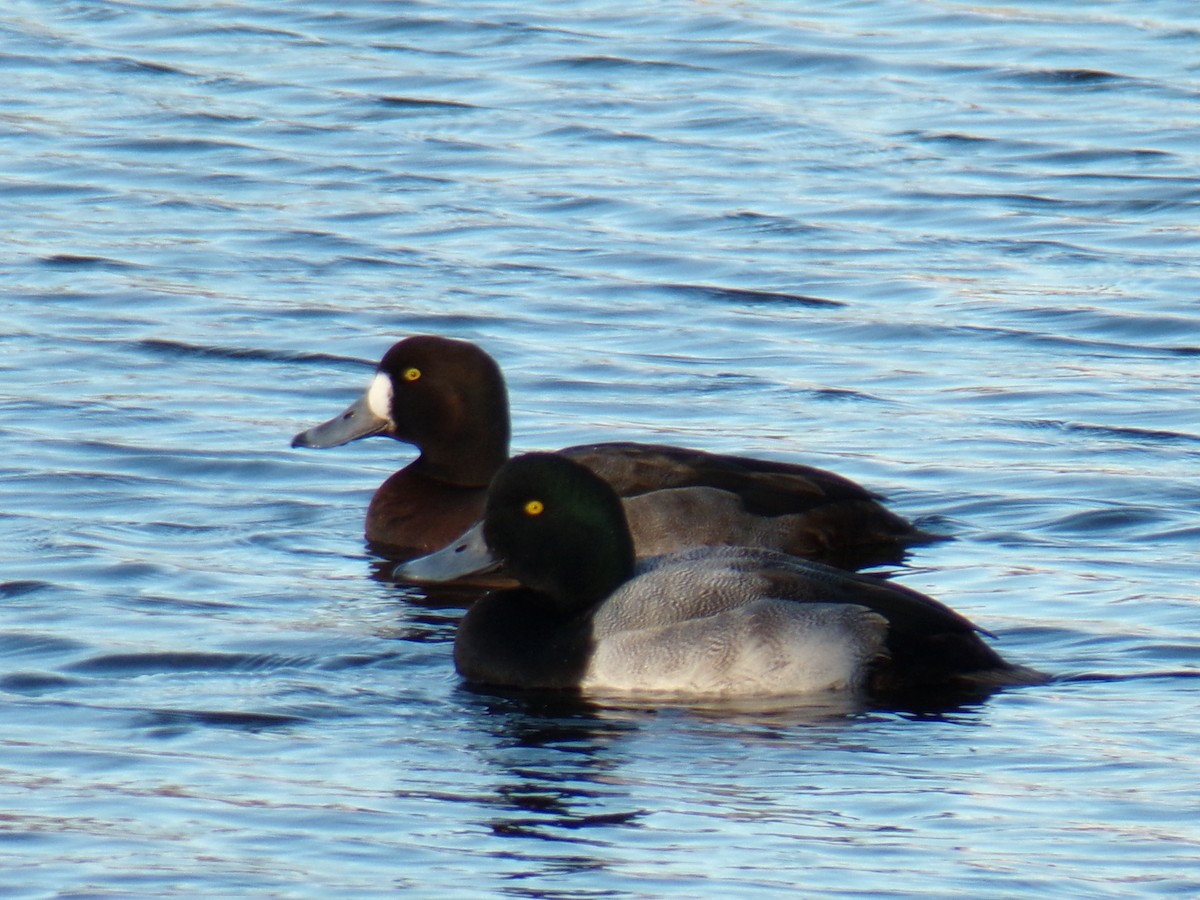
(464, 465)
(469, 449)
(581, 569)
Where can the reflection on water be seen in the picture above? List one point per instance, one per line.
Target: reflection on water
(947, 251)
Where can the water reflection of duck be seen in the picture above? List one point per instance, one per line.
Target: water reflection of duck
(448, 398)
(710, 621)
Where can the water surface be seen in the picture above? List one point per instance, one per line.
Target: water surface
(948, 250)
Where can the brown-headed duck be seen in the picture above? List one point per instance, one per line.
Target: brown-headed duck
(448, 398)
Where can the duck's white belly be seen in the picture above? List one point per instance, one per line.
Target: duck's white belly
(766, 647)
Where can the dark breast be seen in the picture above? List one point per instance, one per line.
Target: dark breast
(515, 638)
(411, 515)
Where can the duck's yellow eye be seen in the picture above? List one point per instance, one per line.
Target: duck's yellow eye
(534, 508)
(412, 373)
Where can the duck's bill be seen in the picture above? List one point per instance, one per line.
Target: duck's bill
(467, 555)
(358, 421)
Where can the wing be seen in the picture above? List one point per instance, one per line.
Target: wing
(678, 498)
(766, 487)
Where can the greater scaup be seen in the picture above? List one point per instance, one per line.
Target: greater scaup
(448, 398)
(705, 622)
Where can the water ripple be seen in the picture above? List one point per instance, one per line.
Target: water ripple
(129, 664)
(168, 721)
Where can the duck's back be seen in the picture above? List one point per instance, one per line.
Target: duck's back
(736, 620)
(677, 498)
(767, 647)
(705, 623)
(767, 486)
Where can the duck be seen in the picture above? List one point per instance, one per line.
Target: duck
(447, 397)
(587, 616)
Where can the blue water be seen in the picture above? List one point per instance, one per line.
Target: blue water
(949, 250)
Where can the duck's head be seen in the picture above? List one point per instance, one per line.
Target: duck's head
(553, 524)
(444, 396)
